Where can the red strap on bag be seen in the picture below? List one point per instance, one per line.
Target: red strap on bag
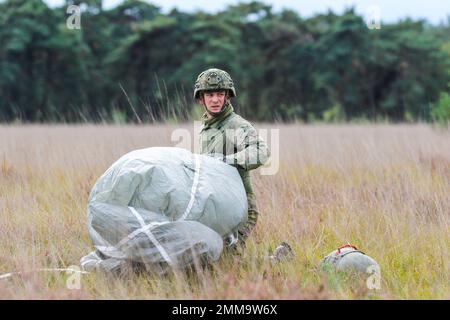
(345, 246)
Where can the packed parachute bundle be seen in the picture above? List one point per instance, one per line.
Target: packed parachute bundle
(163, 207)
(349, 258)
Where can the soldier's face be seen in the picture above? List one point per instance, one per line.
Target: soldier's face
(214, 101)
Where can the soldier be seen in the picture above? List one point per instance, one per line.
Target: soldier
(229, 136)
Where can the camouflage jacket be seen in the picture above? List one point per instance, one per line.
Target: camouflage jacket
(233, 139)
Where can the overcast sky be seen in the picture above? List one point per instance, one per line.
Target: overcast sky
(434, 11)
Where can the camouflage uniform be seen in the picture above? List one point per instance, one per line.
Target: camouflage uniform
(234, 139)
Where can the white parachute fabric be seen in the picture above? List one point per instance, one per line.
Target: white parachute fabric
(350, 259)
(163, 207)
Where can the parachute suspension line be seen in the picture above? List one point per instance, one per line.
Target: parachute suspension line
(67, 270)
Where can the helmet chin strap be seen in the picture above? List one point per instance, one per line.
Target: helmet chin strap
(214, 114)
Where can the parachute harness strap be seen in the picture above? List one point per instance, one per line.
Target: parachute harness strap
(345, 246)
(340, 255)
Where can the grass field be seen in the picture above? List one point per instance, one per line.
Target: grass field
(384, 188)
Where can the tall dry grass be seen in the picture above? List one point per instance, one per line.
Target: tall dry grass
(384, 188)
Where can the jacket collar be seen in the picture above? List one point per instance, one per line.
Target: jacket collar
(225, 113)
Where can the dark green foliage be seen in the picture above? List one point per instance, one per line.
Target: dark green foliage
(441, 109)
(135, 63)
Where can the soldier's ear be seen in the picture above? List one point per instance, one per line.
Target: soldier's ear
(200, 99)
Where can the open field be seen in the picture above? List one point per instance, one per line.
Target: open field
(384, 188)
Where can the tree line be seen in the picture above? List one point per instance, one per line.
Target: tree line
(134, 63)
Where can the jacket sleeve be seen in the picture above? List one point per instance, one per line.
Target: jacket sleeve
(251, 150)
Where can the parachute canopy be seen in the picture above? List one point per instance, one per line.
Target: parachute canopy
(163, 207)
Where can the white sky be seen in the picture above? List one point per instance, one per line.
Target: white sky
(435, 11)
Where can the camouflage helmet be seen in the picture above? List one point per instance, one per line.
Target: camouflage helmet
(214, 79)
